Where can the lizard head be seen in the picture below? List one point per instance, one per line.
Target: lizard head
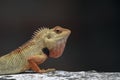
(54, 39)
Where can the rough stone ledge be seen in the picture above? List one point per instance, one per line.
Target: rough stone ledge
(63, 75)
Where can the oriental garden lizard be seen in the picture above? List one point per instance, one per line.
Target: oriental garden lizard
(44, 43)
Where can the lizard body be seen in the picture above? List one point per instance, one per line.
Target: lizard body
(31, 54)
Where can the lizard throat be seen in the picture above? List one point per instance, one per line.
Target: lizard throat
(59, 48)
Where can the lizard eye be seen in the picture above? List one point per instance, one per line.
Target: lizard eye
(58, 31)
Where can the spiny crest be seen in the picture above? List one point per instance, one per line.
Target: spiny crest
(40, 31)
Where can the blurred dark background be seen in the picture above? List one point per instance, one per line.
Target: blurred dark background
(93, 44)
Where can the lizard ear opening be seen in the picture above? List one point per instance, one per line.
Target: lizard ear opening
(48, 36)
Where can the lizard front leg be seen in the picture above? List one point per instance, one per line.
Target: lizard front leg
(38, 59)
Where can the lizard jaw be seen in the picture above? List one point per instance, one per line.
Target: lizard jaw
(59, 48)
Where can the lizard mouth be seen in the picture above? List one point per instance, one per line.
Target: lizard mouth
(59, 48)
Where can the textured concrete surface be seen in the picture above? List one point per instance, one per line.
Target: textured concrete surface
(64, 75)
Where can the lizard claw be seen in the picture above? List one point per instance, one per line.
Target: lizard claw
(47, 70)
(51, 69)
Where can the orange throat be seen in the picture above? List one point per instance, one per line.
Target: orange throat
(58, 50)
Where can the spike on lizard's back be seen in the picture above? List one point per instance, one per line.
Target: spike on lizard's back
(44, 43)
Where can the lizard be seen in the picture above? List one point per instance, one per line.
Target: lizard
(45, 43)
